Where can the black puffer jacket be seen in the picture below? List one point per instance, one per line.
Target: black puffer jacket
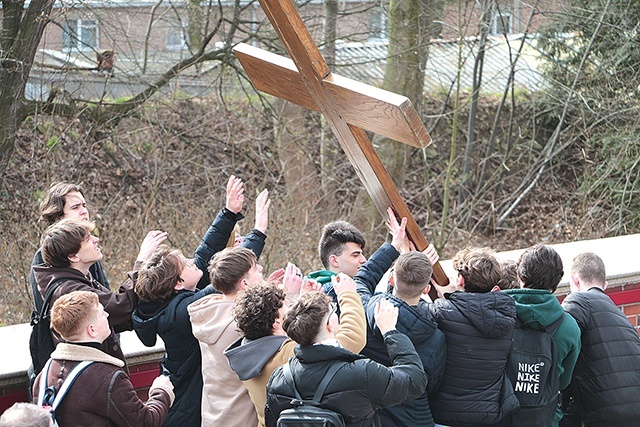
(478, 329)
(606, 380)
(359, 389)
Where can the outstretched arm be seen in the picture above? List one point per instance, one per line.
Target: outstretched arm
(255, 239)
(216, 237)
(352, 333)
(377, 265)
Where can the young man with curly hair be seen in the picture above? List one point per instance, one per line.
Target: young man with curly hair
(361, 386)
(478, 324)
(540, 271)
(102, 394)
(259, 315)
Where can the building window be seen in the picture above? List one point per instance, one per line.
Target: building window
(80, 34)
(176, 38)
(378, 26)
(501, 24)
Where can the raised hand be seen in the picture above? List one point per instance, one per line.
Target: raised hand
(342, 283)
(292, 279)
(310, 285)
(398, 232)
(276, 277)
(431, 253)
(262, 211)
(152, 240)
(386, 316)
(235, 194)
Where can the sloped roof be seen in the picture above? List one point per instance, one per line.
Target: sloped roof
(366, 62)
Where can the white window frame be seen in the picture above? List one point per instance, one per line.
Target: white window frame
(172, 31)
(505, 17)
(74, 35)
(379, 30)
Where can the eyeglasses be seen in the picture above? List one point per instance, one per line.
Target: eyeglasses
(333, 308)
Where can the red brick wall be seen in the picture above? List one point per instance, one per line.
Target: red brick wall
(627, 297)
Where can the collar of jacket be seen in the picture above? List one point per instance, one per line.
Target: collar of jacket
(81, 353)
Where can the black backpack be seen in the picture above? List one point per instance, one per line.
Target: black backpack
(309, 413)
(532, 367)
(40, 342)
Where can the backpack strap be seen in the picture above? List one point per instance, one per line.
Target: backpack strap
(47, 297)
(328, 376)
(68, 382)
(288, 377)
(45, 395)
(552, 328)
(44, 378)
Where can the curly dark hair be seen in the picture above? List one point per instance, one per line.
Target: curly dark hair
(479, 267)
(304, 318)
(509, 279)
(257, 309)
(334, 236)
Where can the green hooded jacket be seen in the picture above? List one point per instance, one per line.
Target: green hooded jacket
(542, 307)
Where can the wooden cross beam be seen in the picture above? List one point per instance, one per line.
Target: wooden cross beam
(348, 106)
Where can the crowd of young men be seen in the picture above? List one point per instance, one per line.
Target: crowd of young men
(403, 360)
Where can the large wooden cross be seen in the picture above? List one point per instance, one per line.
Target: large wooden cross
(348, 106)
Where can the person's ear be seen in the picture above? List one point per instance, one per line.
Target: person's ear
(179, 286)
(605, 285)
(91, 330)
(333, 260)
(73, 258)
(496, 288)
(277, 325)
(461, 281)
(426, 289)
(392, 281)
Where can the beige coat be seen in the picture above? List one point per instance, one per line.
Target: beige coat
(225, 401)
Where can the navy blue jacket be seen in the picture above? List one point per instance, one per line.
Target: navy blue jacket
(414, 321)
(182, 360)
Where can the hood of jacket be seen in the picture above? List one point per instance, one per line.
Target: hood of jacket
(492, 313)
(145, 324)
(211, 317)
(415, 322)
(248, 357)
(536, 307)
(322, 276)
(47, 275)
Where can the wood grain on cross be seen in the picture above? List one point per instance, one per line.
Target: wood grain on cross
(348, 106)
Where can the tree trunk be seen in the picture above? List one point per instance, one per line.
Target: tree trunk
(291, 138)
(19, 39)
(329, 148)
(410, 27)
